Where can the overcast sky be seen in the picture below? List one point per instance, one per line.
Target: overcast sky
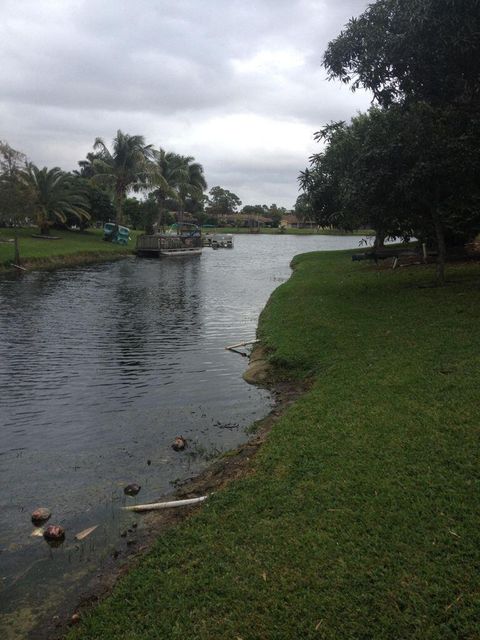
(239, 85)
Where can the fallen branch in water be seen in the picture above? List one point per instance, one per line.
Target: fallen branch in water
(241, 344)
(165, 505)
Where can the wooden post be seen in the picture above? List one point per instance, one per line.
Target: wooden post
(16, 258)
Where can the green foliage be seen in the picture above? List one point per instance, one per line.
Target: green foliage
(55, 196)
(15, 202)
(360, 516)
(143, 214)
(99, 199)
(181, 184)
(128, 166)
(222, 202)
(421, 50)
(412, 166)
(402, 171)
(274, 212)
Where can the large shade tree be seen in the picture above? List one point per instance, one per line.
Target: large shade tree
(423, 55)
(55, 197)
(404, 50)
(222, 202)
(128, 166)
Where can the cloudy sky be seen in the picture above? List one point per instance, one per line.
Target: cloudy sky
(237, 84)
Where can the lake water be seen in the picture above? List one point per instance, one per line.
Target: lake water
(100, 368)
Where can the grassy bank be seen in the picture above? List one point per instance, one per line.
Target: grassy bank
(296, 232)
(73, 247)
(360, 516)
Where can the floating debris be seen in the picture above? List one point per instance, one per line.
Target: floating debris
(86, 532)
(54, 533)
(132, 489)
(40, 515)
(37, 532)
(179, 444)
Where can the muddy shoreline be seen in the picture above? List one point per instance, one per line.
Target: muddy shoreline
(230, 466)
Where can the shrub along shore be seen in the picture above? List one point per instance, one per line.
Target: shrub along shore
(359, 515)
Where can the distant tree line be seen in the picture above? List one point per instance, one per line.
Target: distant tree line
(103, 188)
(410, 166)
(99, 189)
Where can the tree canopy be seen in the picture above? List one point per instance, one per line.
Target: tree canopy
(412, 164)
(128, 166)
(54, 197)
(222, 202)
(14, 196)
(401, 50)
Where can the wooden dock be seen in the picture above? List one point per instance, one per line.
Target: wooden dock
(156, 246)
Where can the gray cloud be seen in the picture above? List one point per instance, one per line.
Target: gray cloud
(237, 84)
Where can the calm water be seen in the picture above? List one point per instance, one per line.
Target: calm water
(100, 367)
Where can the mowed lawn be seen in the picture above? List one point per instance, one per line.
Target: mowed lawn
(70, 243)
(360, 517)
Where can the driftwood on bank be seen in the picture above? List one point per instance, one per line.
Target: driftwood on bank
(86, 532)
(155, 506)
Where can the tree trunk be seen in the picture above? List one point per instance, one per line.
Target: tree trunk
(119, 198)
(441, 248)
(17, 251)
(379, 240)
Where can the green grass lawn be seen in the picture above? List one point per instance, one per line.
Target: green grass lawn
(71, 243)
(360, 518)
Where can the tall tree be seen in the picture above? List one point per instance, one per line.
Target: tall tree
(222, 202)
(180, 179)
(14, 197)
(193, 184)
(424, 56)
(128, 166)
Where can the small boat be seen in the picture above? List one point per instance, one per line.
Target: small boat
(181, 239)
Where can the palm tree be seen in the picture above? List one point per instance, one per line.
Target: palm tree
(54, 196)
(182, 177)
(128, 166)
(194, 183)
(87, 166)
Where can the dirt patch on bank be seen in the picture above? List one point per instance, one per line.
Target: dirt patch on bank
(259, 371)
(233, 465)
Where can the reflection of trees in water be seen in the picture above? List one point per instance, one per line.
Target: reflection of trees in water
(155, 305)
(36, 321)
